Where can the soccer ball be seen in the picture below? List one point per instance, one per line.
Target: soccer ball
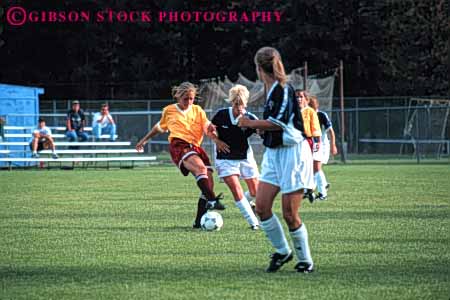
(211, 221)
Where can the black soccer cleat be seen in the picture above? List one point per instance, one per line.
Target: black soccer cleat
(254, 227)
(321, 197)
(306, 192)
(310, 195)
(196, 226)
(277, 261)
(304, 267)
(216, 204)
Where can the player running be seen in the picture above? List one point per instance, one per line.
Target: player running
(186, 124)
(323, 154)
(235, 159)
(285, 168)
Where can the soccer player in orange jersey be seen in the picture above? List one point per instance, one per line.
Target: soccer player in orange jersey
(310, 121)
(186, 124)
(312, 129)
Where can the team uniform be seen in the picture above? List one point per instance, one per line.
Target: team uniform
(288, 167)
(323, 155)
(291, 169)
(186, 130)
(311, 125)
(240, 160)
(324, 151)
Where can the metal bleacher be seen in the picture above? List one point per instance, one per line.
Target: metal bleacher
(88, 153)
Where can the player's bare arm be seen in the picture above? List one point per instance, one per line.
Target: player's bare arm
(211, 132)
(258, 124)
(154, 132)
(333, 141)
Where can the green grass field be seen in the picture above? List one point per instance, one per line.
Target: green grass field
(384, 233)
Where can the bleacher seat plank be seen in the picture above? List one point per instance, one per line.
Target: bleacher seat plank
(71, 143)
(77, 151)
(34, 127)
(80, 159)
(56, 135)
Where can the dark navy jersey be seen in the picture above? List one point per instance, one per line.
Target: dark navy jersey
(324, 120)
(325, 124)
(235, 137)
(280, 106)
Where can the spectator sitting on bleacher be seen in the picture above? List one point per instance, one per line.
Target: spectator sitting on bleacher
(42, 139)
(103, 123)
(75, 123)
(2, 128)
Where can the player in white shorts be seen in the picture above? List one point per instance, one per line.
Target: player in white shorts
(323, 154)
(286, 167)
(234, 155)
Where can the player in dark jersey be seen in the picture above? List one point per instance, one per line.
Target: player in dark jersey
(322, 155)
(237, 160)
(286, 165)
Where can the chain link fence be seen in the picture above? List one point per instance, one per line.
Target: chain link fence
(381, 128)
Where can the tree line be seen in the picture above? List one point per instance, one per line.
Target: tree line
(388, 47)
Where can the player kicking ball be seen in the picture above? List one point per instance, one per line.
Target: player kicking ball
(186, 124)
(234, 155)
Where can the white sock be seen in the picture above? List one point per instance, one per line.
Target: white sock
(249, 197)
(323, 178)
(318, 182)
(275, 234)
(247, 211)
(300, 240)
(323, 182)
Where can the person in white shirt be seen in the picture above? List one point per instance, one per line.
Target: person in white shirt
(103, 123)
(42, 139)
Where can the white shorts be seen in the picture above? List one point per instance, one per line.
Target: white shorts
(245, 168)
(290, 168)
(323, 154)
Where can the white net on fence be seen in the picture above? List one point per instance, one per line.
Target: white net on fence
(213, 92)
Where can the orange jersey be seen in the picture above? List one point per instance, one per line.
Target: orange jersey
(188, 125)
(311, 122)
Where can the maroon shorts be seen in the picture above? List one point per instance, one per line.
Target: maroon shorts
(310, 143)
(180, 150)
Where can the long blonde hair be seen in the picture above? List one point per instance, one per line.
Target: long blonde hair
(269, 60)
(179, 90)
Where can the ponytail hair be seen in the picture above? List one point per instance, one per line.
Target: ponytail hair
(179, 90)
(269, 60)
